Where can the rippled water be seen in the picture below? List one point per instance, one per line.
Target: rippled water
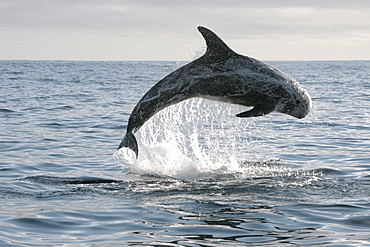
(203, 177)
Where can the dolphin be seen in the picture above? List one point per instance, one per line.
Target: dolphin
(222, 75)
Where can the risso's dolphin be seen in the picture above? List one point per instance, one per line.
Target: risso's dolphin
(222, 75)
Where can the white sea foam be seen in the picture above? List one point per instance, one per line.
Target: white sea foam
(197, 138)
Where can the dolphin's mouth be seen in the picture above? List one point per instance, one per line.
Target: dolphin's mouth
(308, 102)
(298, 108)
(306, 106)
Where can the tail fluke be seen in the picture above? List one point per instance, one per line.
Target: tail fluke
(129, 141)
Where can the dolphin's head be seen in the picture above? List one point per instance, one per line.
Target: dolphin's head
(298, 105)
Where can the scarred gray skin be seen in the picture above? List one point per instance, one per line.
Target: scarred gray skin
(222, 75)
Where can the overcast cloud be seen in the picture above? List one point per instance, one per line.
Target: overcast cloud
(166, 29)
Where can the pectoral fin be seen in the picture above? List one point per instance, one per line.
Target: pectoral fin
(257, 111)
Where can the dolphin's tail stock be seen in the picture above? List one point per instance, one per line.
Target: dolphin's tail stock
(129, 141)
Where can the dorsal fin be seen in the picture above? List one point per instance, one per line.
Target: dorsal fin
(215, 46)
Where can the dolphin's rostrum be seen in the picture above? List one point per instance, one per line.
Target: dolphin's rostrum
(222, 75)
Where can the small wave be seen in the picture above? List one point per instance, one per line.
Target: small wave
(7, 110)
(329, 171)
(104, 126)
(76, 180)
(65, 107)
(52, 125)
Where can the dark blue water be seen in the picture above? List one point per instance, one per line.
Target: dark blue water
(203, 177)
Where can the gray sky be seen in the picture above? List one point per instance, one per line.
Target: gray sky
(166, 29)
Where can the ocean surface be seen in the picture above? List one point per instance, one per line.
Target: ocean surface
(203, 177)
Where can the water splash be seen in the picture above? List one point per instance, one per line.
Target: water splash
(199, 138)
